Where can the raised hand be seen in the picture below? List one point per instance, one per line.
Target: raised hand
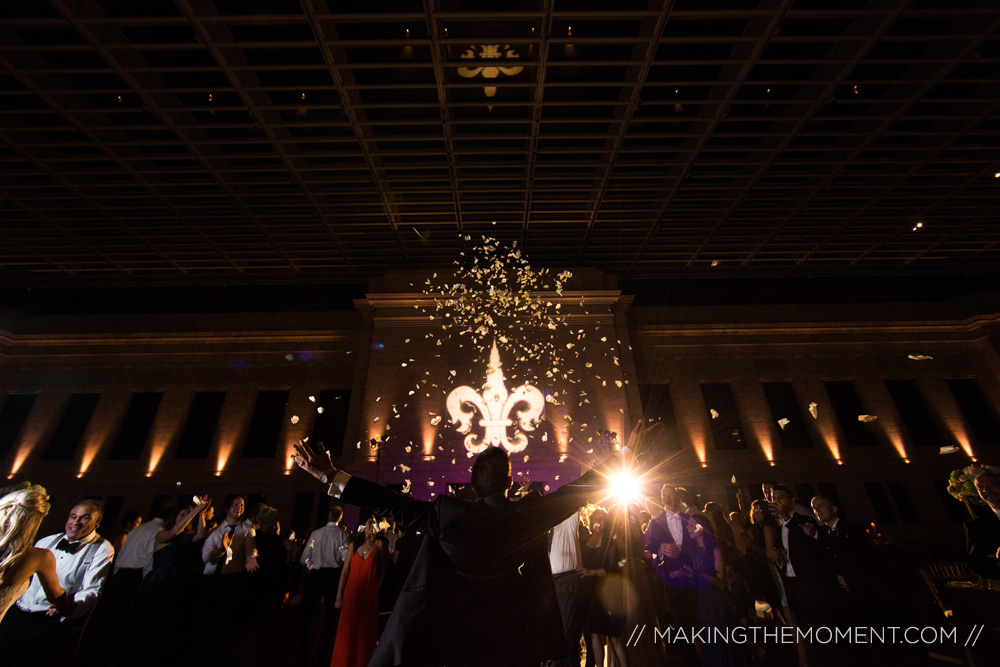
(315, 462)
(642, 436)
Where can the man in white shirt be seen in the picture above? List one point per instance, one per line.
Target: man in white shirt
(233, 545)
(32, 632)
(671, 555)
(323, 557)
(566, 562)
(231, 553)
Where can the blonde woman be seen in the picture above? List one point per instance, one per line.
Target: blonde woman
(21, 513)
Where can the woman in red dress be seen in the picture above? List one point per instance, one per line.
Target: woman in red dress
(357, 599)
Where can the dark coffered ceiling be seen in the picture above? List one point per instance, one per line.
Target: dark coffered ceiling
(277, 146)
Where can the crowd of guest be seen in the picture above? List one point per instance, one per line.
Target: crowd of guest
(678, 563)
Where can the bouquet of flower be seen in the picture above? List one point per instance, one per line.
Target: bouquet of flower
(961, 482)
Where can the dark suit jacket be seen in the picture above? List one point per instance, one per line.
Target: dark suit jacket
(657, 534)
(982, 538)
(854, 557)
(810, 558)
(814, 592)
(480, 592)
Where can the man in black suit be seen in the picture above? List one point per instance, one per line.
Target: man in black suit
(807, 570)
(480, 591)
(853, 553)
(982, 534)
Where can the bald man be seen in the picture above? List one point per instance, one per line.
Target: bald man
(982, 534)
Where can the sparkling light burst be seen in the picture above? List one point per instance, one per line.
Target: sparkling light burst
(624, 487)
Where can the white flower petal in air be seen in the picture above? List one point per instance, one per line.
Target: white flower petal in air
(312, 398)
(714, 413)
(436, 421)
(948, 450)
(814, 410)
(919, 357)
(783, 422)
(320, 409)
(406, 486)
(867, 419)
(294, 419)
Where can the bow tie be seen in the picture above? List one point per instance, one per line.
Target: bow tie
(64, 545)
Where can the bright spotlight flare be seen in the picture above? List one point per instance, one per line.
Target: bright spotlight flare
(624, 487)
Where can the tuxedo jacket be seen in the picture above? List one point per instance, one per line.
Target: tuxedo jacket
(982, 538)
(854, 556)
(810, 557)
(480, 591)
(657, 534)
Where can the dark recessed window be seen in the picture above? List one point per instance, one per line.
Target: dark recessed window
(71, 427)
(880, 501)
(331, 424)
(658, 406)
(12, 417)
(109, 519)
(804, 493)
(135, 428)
(904, 504)
(199, 429)
(265, 425)
(956, 509)
(727, 431)
(784, 405)
(847, 407)
(829, 491)
(980, 415)
(913, 410)
(302, 515)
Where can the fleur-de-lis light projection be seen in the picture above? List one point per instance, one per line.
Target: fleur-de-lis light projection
(489, 52)
(495, 405)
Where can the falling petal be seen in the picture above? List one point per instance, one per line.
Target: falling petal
(320, 409)
(714, 413)
(867, 419)
(813, 410)
(783, 422)
(312, 398)
(294, 419)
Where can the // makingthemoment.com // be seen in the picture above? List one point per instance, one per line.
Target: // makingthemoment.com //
(818, 635)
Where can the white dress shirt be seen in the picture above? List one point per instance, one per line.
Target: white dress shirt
(243, 548)
(137, 552)
(323, 549)
(675, 525)
(789, 570)
(564, 552)
(82, 574)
